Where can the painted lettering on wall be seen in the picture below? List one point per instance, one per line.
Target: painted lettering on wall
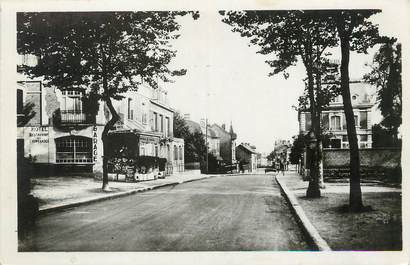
(95, 139)
(38, 135)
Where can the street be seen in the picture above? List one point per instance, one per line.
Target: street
(228, 213)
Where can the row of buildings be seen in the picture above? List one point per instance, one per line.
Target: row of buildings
(222, 144)
(61, 128)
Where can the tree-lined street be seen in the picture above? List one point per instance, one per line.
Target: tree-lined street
(229, 213)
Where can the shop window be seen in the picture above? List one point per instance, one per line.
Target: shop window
(73, 150)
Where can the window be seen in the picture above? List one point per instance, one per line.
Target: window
(308, 121)
(363, 120)
(180, 153)
(161, 118)
(72, 107)
(325, 121)
(345, 138)
(72, 101)
(144, 118)
(335, 123)
(356, 120)
(175, 153)
(363, 138)
(344, 122)
(168, 126)
(169, 153)
(73, 150)
(155, 121)
(335, 143)
(156, 150)
(142, 151)
(130, 111)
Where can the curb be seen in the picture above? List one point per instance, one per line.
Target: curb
(310, 231)
(59, 207)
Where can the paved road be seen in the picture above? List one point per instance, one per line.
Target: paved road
(226, 213)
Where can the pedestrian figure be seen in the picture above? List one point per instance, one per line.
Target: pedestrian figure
(282, 167)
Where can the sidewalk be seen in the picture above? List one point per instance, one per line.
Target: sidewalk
(380, 229)
(63, 192)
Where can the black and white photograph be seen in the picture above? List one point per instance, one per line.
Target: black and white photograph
(203, 131)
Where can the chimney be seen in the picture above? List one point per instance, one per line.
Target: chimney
(187, 116)
(223, 126)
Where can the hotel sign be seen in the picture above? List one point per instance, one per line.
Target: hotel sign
(38, 135)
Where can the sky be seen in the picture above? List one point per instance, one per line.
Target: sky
(227, 81)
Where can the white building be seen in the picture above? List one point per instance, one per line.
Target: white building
(63, 128)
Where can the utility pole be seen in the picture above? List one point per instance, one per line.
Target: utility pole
(206, 143)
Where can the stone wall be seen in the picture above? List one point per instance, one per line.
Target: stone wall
(380, 157)
(381, 164)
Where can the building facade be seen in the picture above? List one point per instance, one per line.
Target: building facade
(247, 157)
(212, 139)
(227, 142)
(64, 127)
(333, 120)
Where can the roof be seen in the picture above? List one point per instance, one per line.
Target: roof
(221, 132)
(196, 127)
(248, 148)
(193, 126)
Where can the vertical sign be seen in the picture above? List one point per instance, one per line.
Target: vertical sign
(95, 139)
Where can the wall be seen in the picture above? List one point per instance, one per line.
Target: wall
(388, 158)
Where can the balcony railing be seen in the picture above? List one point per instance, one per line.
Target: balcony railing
(75, 117)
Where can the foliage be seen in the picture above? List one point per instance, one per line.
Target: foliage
(381, 137)
(292, 35)
(140, 164)
(28, 113)
(80, 49)
(386, 76)
(100, 53)
(181, 129)
(357, 33)
(296, 151)
(195, 146)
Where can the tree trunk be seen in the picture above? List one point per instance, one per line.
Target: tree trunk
(355, 198)
(313, 190)
(106, 145)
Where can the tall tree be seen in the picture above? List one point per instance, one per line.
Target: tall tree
(386, 76)
(195, 147)
(100, 53)
(292, 35)
(356, 33)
